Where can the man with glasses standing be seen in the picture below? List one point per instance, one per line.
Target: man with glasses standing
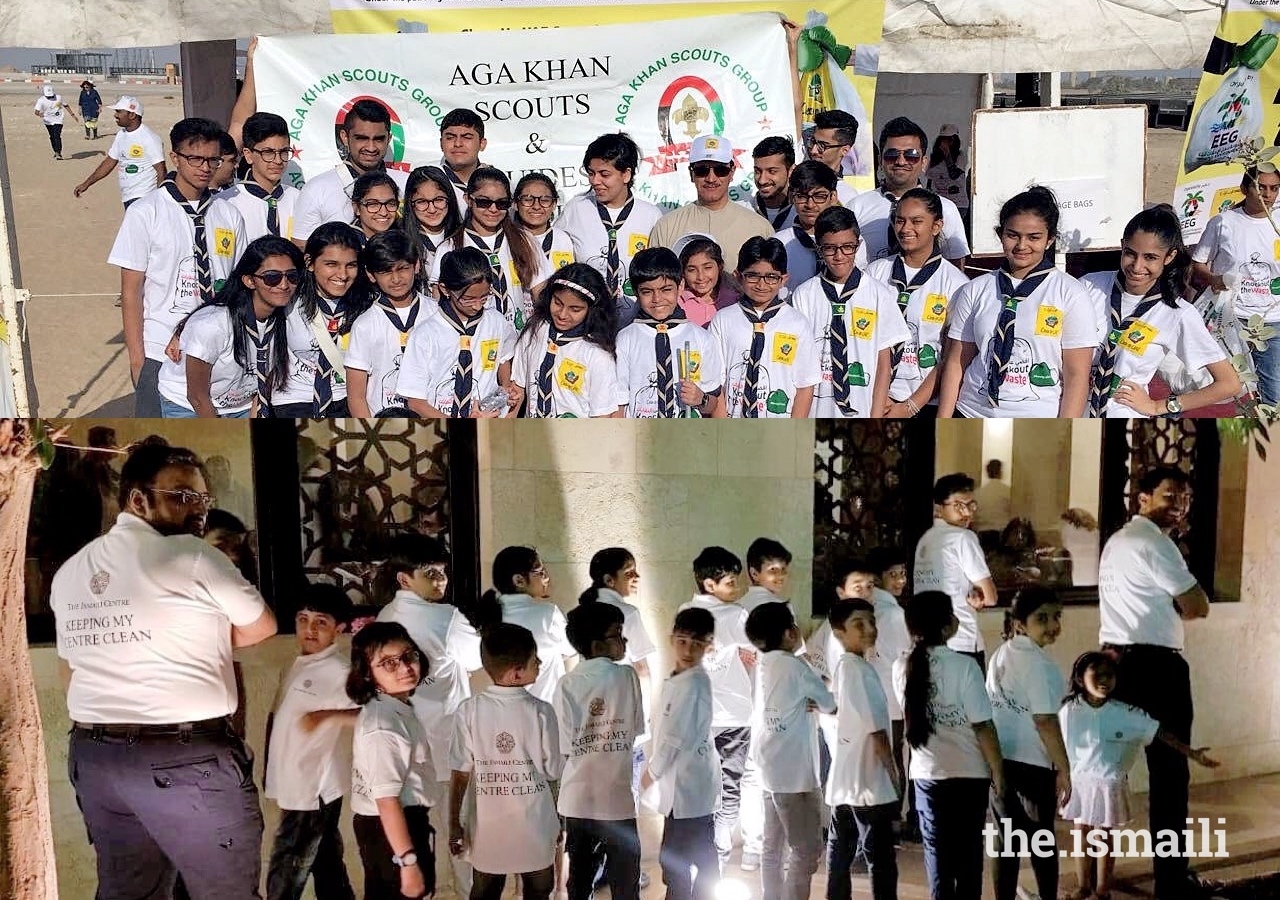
(147, 617)
(175, 248)
(136, 150)
(834, 134)
(903, 155)
(711, 168)
(263, 200)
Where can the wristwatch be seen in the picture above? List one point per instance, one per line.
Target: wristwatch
(1173, 405)
(409, 859)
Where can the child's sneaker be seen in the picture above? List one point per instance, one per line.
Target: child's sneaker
(750, 862)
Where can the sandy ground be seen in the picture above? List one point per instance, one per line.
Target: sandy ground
(77, 349)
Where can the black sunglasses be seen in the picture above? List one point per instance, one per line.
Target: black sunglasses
(273, 277)
(485, 202)
(703, 169)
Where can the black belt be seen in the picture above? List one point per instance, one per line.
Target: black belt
(181, 731)
(1145, 648)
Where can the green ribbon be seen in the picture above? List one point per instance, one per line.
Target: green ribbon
(818, 42)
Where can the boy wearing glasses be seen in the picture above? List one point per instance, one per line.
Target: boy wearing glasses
(949, 559)
(834, 134)
(263, 199)
(813, 188)
(175, 248)
(904, 151)
(712, 164)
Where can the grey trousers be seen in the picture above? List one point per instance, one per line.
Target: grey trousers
(792, 823)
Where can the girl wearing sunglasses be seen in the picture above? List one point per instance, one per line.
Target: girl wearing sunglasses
(536, 202)
(233, 349)
(375, 199)
(431, 214)
(519, 268)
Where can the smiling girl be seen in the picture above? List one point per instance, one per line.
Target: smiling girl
(375, 200)
(431, 214)
(536, 200)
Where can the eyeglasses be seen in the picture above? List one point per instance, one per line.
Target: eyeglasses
(273, 277)
(503, 204)
(199, 162)
(815, 198)
(837, 249)
(462, 297)
(375, 205)
(703, 169)
(893, 154)
(963, 505)
(187, 497)
(422, 204)
(540, 572)
(392, 664)
(434, 573)
(530, 200)
(272, 155)
(823, 146)
(770, 278)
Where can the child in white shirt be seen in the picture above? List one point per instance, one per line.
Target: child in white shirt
(506, 741)
(600, 713)
(392, 773)
(786, 750)
(864, 786)
(308, 759)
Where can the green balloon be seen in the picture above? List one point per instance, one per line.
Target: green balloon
(808, 54)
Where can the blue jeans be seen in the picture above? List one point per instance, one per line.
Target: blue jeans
(309, 845)
(171, 410)
(865, 831)
(952, 812)
(1267, 364)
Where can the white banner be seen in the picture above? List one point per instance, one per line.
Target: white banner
(544, 95)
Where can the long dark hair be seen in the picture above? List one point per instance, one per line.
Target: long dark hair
(1161, 223)
(452, 215)
(524, 253)
(1084, 662)
(608, 561)
(1025, 603)
(1037, 200)
(361, 685)
(510, 562)
(357, 299)
(928, 620)
(586, 282)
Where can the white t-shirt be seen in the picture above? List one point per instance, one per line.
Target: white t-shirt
(638, 365)
(926, 314)
(872, 210)
(802, 262)
(581, 221)
(789, 361)
(893, 642)
(377, 347)
(144, 621)
(1237, 242)
(1057, 316)
(555, 245)
(156, 238)
(757, 595)
(1161, 331)
(683, 759)
(254, 210)
(550, 633)
(640, 645)
(136, 154)
(431, 359)
(1103, 741)
(304, 361)
(872, 322)
(785, 732)
(519, 296)
(50, 109)
(509, 741)
(857, 776)
(305, 769)
(824, 651)
(327, 198)
(210, 336)
(1140, 573)
(600, 714)
(950, 559)
(1023, 681)
(731, 687)
(391, 757)
(584, 379)
(957, 701)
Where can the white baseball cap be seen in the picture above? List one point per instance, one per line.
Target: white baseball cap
(711, 148)
(49, 91)
(129, 104)
(678, 246)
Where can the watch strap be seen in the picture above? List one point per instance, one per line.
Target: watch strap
(410, 858)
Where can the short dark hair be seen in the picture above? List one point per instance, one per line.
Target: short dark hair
(589, 623)
(763, 249)
(882, 559)
(1152, 478)
(955, 483)
(768, 624)
(366, 111)
(145, 463)
(715, 563)
(835, 220)
(994, 468)
(405, 554)
(776, 146)
(194, 129)
(763, 549)
(260, 126)
(811, 174)
(361, 686)
(226, 144)
(695, 622)
(221, 520)
(504, 646)
(844, 123)
(840, 611)
(383, 251)
(654, 263)
(854, 566)
(328, 600)
(462, 117)
(617, 149)
(904, 127)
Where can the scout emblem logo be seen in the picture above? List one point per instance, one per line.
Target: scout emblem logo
(395, 150)
(504, 742)
(596, 708)
(98, 583)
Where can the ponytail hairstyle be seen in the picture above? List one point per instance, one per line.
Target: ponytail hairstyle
(510, 562)
(524, 253)
(606, 562)
(357, 298)
(1161, 223)
(1090, 659)
(932, 204)
(929, 619)
(1025, 603)
(601, 325)
(1037, 200)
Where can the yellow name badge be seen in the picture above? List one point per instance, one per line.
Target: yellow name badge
(224, 242)
(515, 275)
(572, 375)
(489, 355)
(1277, 250)
(935, 309)
(1137, 337)
(784, 348)
(1048, 322)
(344, 342)
(560, 259)
(637, 242)
(862, 323)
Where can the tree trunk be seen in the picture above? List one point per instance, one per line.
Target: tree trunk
(27, 870)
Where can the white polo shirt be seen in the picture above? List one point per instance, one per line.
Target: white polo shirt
(144, 621)
(391, 757)
(305, 769)
(857, 776)
(600, 714)
(638, 365)
(789, 361)
(451, 645)
(1023, 681)
(1237, 242)
(581, 221)
(1140, 573)
(550, 632)
(1103, 741)
(136, 154)
(893, 642)
(377, 347)
(872, 211)
(785, 732)
(156, 238)
(957, 701)
(640, 645)
(683, 759)
(327, 198)
(731, 687)
(584, 378)
(950, 559)
(254, 210)
(509, 741)
(209, 336)
(431, 359)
